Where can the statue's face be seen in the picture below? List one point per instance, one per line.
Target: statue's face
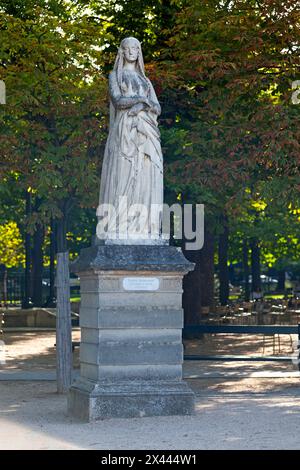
(131, 51)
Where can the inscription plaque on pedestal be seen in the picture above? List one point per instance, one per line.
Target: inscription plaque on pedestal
(141, 283)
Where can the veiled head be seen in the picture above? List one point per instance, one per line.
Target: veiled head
(130, 50)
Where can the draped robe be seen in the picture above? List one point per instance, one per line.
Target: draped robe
(133, 163)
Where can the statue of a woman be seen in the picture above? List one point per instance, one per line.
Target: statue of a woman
(132, 172)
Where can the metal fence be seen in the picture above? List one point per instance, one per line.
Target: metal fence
(12, 288)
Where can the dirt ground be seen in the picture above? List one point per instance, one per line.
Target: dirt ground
(33, 350)
(239, 405)
(33, 416)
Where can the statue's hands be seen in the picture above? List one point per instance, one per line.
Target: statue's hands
(153, 107)
(143, 103)
(135, 109)
(144, 100)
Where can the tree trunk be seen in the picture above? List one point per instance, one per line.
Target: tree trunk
(198, 285)
(281, 280)
(231, 274)
(207, 269)
(255, 265)
(51, 300)
(27, 287)
(63, 312)
(191, 298)
(37, 266)
(223, 264)
(246, 270)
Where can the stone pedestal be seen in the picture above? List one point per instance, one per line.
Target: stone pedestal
(131, 321)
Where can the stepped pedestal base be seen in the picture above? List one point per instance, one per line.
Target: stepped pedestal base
(131, 322)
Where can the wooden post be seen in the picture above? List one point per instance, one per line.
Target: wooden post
(63, 312)
(63, 324)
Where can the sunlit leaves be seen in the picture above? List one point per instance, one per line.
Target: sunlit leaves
(11, 245)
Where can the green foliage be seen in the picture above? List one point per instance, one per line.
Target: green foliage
(223, 72)
(229, 81)
(54, 123)
(149, 21)
(11, 245)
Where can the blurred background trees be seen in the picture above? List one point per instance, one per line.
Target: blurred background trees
(223, 72)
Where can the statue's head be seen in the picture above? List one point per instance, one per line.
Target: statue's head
(130, 50)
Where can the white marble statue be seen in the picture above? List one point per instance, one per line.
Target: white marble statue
(133, 164)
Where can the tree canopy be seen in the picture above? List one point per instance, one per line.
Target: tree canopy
(223, 72)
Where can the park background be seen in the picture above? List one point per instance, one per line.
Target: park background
(223, 72)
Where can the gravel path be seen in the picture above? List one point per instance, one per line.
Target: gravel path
(33, 416)
(240, 405)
